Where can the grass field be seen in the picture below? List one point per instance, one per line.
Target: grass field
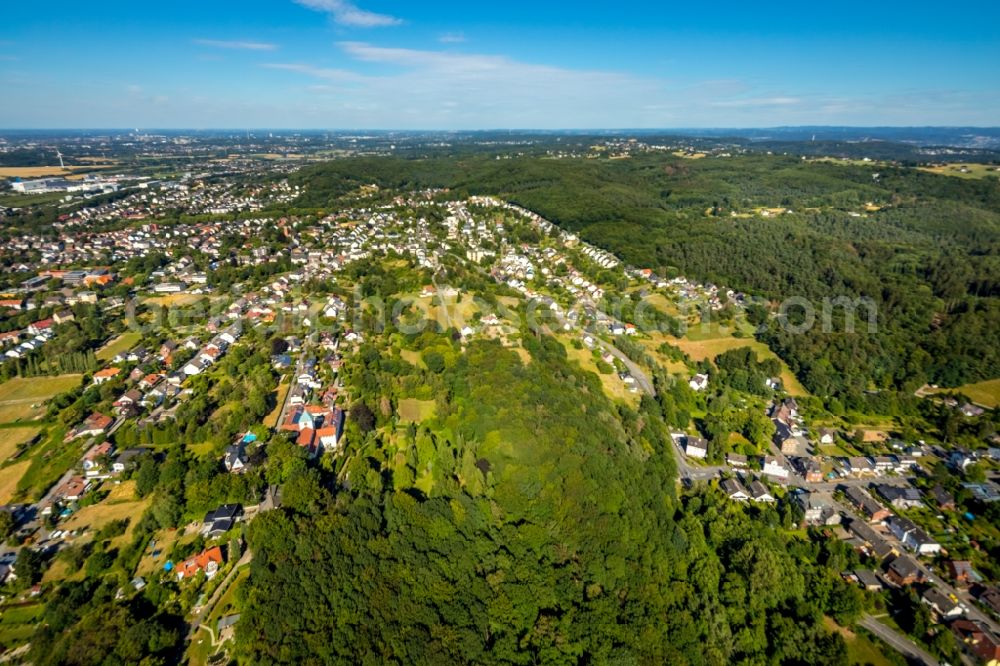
(861, 650)
(96, 516)
(122, 343)
(964, 170)
(10, 477)
(12, 438)
(18, 623)
(985, 393)
(32, 171)
(412, 357)
(271, 420)
(21, 399)
(173, 300)
(707, 342)
(415, 411)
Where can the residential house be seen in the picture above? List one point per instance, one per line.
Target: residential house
(868, 580)
(866, 504)
(94, 425)
(737, 460)
(221, 520)
(943, 498)
(696, 447)
(979, 639)
(208, 561)
(911, 536)
(905, 497)
(870, 539)
(72, 490)
(699, 382)
(734, 490)
(94, 459)
(809, 469)
(860, 466)
(962, 573)
(941, 604)
(106, 375)
(775, 469)
(760, 493)
(235, 458)
(818, 507)
(127, 459)
(903, 570)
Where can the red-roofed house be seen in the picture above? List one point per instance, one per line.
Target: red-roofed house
(39, 326)
(307, 440)
(208, 561)
(95, 424)
(106, 374)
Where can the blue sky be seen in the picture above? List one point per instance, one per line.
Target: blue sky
(464, 65)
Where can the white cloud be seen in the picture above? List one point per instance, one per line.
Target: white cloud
(757, 101)
(327, 73)
(347, 13)
(452, 38)
(238, 45)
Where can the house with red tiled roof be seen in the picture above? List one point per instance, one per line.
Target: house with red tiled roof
(95, 424)
(208, 561)
(106, 374)
(39, 326)
(307, 440)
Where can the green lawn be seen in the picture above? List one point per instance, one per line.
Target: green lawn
(23, 398)
(122, 343)
(412, 410)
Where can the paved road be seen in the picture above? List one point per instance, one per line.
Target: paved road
(898, 641)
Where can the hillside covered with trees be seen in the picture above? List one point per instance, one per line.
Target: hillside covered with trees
(926, 252)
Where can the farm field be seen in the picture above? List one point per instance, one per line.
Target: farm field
(32, 171)
(12, 438)
(122, 343)
(176, 300)
(22, 398)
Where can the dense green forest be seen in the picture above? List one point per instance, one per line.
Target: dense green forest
(530, 521)
(928, 258)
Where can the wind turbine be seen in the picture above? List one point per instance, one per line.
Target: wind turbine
(60, 156)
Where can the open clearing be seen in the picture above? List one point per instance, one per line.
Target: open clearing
(9, 478)
(614, 388)
(122, 343)
(174, 300)
(964, 170)
(22, 398)
(42, 171)
(707, 342)
(96, 516)
(412, 410)
(860, 648)
(12, 438)
(32, 171)
(985, 393)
